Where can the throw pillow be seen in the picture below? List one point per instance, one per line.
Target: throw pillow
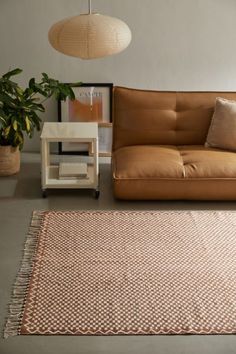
(222, 131)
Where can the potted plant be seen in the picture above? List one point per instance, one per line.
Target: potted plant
(19, 114)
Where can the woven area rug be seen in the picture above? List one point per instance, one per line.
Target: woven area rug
(121, 272)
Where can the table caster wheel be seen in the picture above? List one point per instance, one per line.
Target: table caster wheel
(44, 193)
(96, 194)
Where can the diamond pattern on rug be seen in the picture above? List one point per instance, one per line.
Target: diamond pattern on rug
(161, 272)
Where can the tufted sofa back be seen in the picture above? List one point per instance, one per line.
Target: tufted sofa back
(142, 117)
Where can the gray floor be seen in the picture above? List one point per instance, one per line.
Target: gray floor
(19, 196)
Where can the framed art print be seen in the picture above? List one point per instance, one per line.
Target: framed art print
(93, 103)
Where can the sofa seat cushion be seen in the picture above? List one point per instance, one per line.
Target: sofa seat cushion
(173, 162)
(147, 161)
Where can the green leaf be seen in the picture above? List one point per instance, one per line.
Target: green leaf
(3, 117)
(15, 125)
(5, 98)
(7, 131)
(71, 94)
(19, 90)
(2, 123)
(39, 107)
(36, 120)
(12, 73)
(45, 76)
(28, 92)
(32, 83)
(18, 140)
(40, 89)
(27, 124)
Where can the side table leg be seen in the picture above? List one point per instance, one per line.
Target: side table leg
(44, 193)
(96, 193)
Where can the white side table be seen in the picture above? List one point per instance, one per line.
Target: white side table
(69, 132)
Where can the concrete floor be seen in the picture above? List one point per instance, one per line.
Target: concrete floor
(19, 196)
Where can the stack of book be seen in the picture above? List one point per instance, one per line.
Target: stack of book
(73, 171)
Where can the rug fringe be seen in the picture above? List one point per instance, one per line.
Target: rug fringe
(21, 285)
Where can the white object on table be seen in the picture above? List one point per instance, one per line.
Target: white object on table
(70, 169)
(69, 132)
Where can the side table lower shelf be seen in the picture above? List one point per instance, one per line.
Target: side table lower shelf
(54, 182)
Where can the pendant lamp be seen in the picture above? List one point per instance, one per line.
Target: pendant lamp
(90, 36)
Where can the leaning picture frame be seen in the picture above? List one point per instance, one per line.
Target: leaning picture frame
(93, 103)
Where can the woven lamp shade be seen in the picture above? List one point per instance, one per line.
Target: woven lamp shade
(90, 36)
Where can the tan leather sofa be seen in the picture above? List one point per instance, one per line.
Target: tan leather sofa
(158, 147)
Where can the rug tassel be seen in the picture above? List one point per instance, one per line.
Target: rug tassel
(17, 302)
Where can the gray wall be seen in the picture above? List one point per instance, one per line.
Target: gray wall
(177, 45)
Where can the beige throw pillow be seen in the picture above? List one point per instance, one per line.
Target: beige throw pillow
(222, 131)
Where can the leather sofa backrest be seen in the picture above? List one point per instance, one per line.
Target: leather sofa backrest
(142, 117)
